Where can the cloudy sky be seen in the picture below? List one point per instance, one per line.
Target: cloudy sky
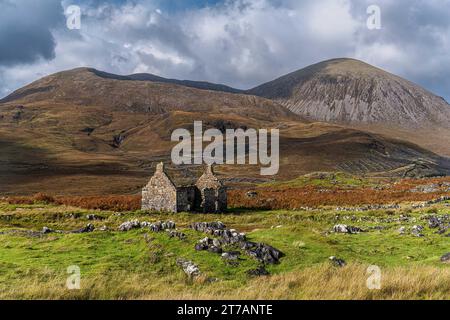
(241, 43)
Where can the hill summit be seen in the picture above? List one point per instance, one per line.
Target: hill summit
(349, 91)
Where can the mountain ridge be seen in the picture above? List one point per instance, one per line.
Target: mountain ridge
(350, 91)
(76, 131)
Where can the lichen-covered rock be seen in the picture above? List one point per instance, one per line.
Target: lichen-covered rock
(189, 268)
(176, 234)
(231, 237)
(260, 271)
(129, 225)
(337, 262)
(342, 228)
(46, 230)
(417, 231)
(446, 258)
(233, 255)
(263, 253)
(89, 228)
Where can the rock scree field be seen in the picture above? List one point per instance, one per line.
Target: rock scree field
(308, 251)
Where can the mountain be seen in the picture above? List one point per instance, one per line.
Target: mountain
(354, 93)
(84, 131)
(351, 91)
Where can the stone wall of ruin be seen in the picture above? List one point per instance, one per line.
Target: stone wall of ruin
(160, 194)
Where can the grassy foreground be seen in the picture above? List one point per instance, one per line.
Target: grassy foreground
(140, 264)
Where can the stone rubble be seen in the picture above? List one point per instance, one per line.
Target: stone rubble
(430, 188)
(440, 222)
(258, 272)
(189, 268)
(176, 234)
(417, 231)
(343, 228)
(93, 217)
(337, 262)
(431, 202)
(446, 258)
(369, 208)
(226, 237)
(89, 228)
(155, 227)
(233, 255)
(128, 225)
(46, 230)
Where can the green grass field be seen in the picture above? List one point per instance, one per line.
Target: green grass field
(141, 264)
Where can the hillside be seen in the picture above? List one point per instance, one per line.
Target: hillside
(351, 92)
(80, 131)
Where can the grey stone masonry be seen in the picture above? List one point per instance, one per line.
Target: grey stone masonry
(160, 194)
(209, 195)
(213, 192)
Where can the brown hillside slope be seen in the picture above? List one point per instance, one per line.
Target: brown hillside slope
(80, 133)
(351, 92)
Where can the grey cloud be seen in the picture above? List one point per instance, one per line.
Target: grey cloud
(25, 30)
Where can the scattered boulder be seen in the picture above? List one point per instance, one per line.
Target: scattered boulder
(417, 231)
(129, 225)
(402, 230)
(208, 244)
(342, 228)
(160, 226)
(216, 250)
(206, 227)
(440, 222)
(426, 188)
(201, 247)
(231, 237)
(155, 227)
(434, 222)
(446, 258)
(189, 268)
(252, 194)
(258, 272)
(176, 234)
(233, 255)
(262, 252)
(337, 262)
(46, 230)
(93, 217)
(89, 228)
(103, 228)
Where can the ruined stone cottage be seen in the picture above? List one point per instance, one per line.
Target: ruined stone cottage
(208, 195)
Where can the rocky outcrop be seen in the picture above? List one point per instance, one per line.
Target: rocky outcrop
(230, 237)
(446, 258)
(337, 262)
(155, 227)
(351, 91)
(343, 228)
(189, 268)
